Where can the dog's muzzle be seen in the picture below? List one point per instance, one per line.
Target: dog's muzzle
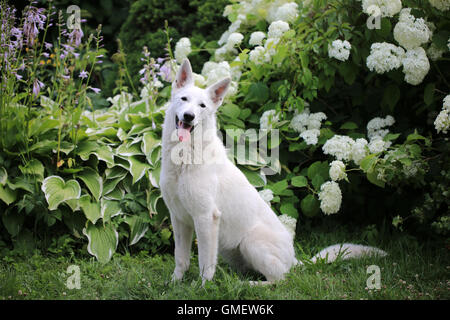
(184, 129)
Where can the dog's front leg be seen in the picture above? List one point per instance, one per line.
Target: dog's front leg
(183, 241)
(207, 230)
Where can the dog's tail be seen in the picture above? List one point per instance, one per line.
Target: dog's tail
(346, 251)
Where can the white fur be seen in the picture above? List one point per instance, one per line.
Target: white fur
(213, 197)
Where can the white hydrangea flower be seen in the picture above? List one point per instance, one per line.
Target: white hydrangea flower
(442, 5)
(182, 49)
(434, 52)
(442, 122)
(288, 12)
(384, 57)
(289, 222)
(337, 170)
(359, 150)
(311, 137)
(415, 66)
(267, 119)
(256, 38)
(257, 55)
(446, 104)
(339, 146)
(266, 195)
(410, 32)
(378, 145)
(277, 29)
(235, 39)
(375, 127)
(215, 71)
(339, 50)
(330, 197)
(387, 8)
(308, 125)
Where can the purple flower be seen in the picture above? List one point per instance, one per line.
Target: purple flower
(75, 37)
(165, 72)
(83, 74)
(47, 45)
(96, 90)
(37, 86)
(33, 22)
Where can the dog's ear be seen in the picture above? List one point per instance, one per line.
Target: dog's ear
(218, 91)
(184, 76)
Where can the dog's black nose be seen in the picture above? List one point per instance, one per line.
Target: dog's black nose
(188, 116)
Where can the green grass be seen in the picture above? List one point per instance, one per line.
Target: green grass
(411, 271)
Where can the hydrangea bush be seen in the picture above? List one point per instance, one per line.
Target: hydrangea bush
(357, 90)
(351, 100)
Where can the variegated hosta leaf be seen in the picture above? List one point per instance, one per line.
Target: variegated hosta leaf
(91, 209)
(127, 150)
(109, 209)
(111, 184)
(115, 172)
(137, 168)
(3, 176)
(56, 191)
(33, 167)
(103, 241)
(149, 143)
(93, 181)
(138, 228)
(154, 176)
(102, 152)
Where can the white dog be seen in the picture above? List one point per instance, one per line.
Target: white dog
(213, 197)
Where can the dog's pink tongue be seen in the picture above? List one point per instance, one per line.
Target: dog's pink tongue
(184, 134)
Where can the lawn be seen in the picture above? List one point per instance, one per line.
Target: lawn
(412, 270)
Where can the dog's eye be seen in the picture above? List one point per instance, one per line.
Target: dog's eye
(202, 105)
(184, 98)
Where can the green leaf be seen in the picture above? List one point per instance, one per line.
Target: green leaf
(93, 181)
(56, 190)
(372, 176)
(149, 142)
(318, 168)
(13, 222)
(33, 167)
(349, 126)
(103, 241)
(138, 228)
(231, 110)
(258, 93)
(299, 181)
(415, 136)
(137, 168)
(279, 187)
(368, 162)
(109, 209)
(289, 209)
(90, 209)
(254, 177)
(310, 205)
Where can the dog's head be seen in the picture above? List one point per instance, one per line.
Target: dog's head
(192, 105)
